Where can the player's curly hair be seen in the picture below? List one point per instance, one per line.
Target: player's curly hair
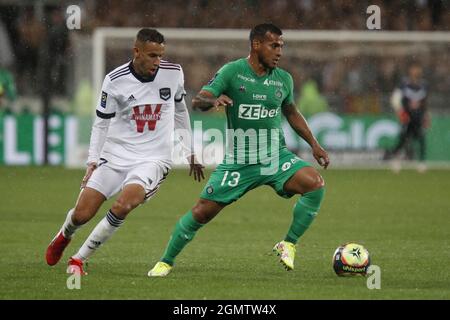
(260, 30)
(151, 35)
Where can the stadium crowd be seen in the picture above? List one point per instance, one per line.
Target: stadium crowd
(424, 15)
(351, 84)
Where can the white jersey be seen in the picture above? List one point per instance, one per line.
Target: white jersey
(135, 116)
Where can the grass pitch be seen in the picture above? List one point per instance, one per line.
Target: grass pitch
(403, 220)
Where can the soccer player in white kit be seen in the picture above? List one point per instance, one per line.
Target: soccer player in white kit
(141, 105)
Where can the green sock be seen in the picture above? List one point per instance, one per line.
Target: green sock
(183, 233)
(305, 211)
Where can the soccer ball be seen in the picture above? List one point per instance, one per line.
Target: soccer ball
(351, 259)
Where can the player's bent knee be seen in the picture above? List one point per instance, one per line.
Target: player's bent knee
(304, 181)
(82, 215)
(122, 208)
(318, 182)
(87, 205)
(204, 211)
(312, 181)
(200, 213)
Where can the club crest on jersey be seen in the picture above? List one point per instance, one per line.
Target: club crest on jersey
(164, 93)
(278, 94)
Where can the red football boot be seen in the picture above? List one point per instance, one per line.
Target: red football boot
(75, 266)
(56, 248)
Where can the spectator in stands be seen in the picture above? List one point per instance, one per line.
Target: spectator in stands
(6, 53)
(7, 90)
(56, 50)
(31, 33)
(304, 14)
(309, 103)
(7, 84)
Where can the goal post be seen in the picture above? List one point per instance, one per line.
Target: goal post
(100, 36)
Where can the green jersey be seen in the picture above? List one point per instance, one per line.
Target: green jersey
(254, 133)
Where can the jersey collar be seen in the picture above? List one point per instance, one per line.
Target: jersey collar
(268, 73)
(140, 78)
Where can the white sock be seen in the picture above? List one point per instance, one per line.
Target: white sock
(68, 228)
(101, 233)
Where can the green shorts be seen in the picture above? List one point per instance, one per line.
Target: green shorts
(229, 182)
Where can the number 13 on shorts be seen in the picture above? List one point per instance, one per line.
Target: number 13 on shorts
(233, 179)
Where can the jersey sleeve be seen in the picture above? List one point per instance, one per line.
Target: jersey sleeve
(107, 104)
(220, 82)
(181, 92)
(290, 91)
(105, 110)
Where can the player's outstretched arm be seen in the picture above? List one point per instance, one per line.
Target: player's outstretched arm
(299, 124)
(205, 100)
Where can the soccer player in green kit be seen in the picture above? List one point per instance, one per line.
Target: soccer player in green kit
(254, 92)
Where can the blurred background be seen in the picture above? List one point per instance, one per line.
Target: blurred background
(345, 75)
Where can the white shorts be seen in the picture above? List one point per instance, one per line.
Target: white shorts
(109, 179)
